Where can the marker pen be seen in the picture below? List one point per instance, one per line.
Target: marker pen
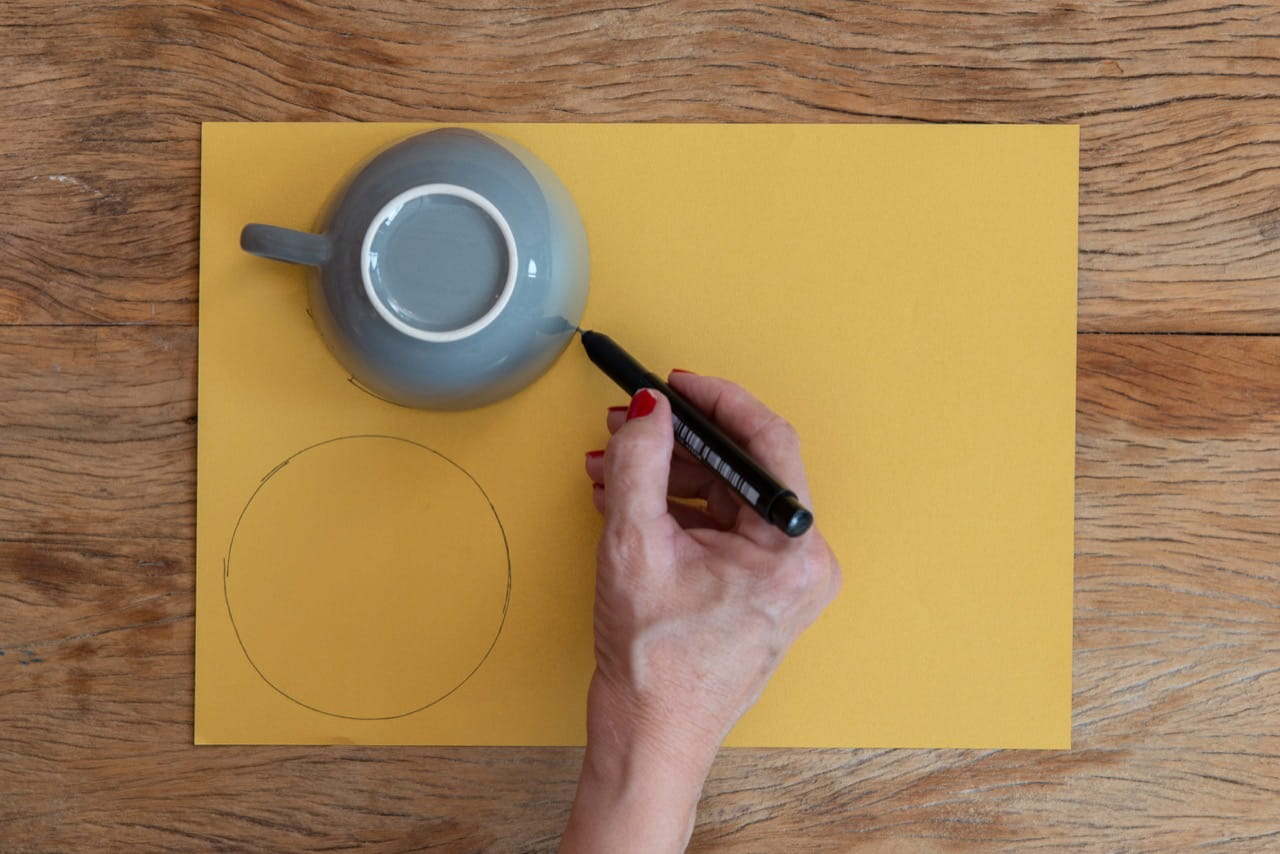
(708, 443)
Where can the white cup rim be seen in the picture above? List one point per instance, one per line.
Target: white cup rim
(389, 210)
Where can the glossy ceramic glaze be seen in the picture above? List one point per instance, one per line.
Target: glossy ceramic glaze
(449, 272)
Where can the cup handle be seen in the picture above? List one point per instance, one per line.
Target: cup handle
(285, 244)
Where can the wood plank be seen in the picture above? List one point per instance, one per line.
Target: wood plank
(99, 434)
(1177, 637)
(1180, 148)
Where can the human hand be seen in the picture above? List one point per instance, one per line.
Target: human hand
(696, 603)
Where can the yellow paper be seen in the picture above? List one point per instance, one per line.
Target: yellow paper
(904, 294)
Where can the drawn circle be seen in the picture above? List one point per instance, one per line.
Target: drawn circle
(368, 577)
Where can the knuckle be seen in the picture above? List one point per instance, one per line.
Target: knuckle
(623, 478)
(835, 580)
(781, 433)
(795, 579)
(623, 546)
(811, 576)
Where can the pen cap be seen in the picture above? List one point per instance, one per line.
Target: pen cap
(789, 515)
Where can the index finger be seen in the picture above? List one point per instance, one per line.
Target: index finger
(763, 433)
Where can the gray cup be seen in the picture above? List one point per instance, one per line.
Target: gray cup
(450, 271)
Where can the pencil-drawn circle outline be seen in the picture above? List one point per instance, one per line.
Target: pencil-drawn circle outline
(226, 574)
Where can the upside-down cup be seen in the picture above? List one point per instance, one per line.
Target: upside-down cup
(448, 273)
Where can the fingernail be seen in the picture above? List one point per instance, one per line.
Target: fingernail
(597, 487)
(642, 404)
(617, 409)
(680, 371)
(594, 455)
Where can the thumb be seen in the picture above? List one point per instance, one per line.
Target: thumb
(637, 463)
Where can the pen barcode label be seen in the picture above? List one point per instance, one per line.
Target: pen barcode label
(699, 449)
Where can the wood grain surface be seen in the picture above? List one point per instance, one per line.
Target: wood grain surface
(1177, 661)
(1177, 644)
(1177, 102)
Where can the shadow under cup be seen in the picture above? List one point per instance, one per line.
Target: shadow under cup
(438, 262)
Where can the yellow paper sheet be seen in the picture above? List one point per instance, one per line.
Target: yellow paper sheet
(904, 294)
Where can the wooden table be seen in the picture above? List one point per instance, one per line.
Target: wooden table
(1177, 630)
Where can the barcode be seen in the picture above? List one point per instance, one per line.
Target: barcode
(699, 449)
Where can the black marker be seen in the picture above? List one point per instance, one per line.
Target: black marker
(707, 443)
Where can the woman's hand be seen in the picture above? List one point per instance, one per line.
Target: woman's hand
(697, 600)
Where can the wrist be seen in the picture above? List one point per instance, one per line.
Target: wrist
(637, 799)
(640, 783)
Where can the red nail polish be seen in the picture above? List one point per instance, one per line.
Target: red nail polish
(617, 409)
(594, 455)
(680, 371)
(642, 404)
